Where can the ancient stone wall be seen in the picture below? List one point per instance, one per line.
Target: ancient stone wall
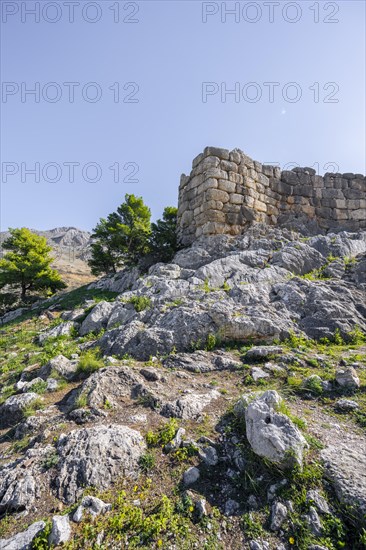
(227, 190)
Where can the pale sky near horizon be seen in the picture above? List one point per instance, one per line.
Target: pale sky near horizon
(158, 55)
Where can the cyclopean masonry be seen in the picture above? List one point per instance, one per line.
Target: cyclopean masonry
(227, 190)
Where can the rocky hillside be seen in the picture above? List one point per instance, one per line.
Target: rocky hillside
(216, 402)
(71, 251)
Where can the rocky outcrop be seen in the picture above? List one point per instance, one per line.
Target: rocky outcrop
(271, 434)
(23, 540)
(239, 289)
(96, 456)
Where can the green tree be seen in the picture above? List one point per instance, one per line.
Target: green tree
(163, 240)
(122, 238)
(27, 265)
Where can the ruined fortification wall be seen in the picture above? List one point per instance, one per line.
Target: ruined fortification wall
(226, 191)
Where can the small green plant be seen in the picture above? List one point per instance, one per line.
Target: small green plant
(211, 342)
(251, 526)
(33, 407)
(164, 435)
(90, 361)
(81, 401)
(50, 461)
(40, 542)
(140, 303)
(314, 385)
(356, 336)
(206, 285)
(226, 287)
(39, 387)
(147, 462)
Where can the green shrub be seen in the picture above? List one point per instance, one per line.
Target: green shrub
(90, 361)
(147, 462)
(164, 435)
(140, 303)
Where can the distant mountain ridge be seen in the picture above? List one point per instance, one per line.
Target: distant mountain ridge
(71, 251)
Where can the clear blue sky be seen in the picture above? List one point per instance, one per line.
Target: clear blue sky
(169, 53)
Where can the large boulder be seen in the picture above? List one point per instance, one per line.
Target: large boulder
(271, 434)
(97, 318)
(112, 384)
(23, 540)
(22, 482)
(63, 329)
(61, 365)
(13, 409)
(189, 405)
(97, 457)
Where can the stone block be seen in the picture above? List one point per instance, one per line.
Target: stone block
(252, 193)
(287, 176)
(235, 156)
(253, 174)
(214, 228)
(187, 218)
(318, 182)
(228, 166)
(358, 184)
(277, 172)
(184, 180)
(247, 161)
(217, 152)
(216, 173)
(233, 208)
(249, 201)
(197, 160)
(260, 206)
(248, 213)
(216, 195)
(236, 199)
(272, 210)
(243, 170)
(331, 193)
(359, 214)
(233, 218)
(268, 170)
(264, 180)
(226, 185)
(258, 166)
(215, 216)
(210, 183)
(236, 178)
(355, 194)
(206, 164)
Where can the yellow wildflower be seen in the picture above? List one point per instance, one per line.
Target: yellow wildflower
(291, 540)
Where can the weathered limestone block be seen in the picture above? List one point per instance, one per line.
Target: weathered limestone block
(213, 228)
(215, 216)
(216, 195)
(235, 156)
(187, 218)
(217, 152)
(341, 215)
(318, 182)
(226, 185)
(247, 161)
(184, 180)
(253, 174)
(288, 176)
(243, 170)
(268, 170)
(354, 194)
(329, 193)
(272, 210)
(216, 173)
(213, 205)
(229, 207)
(236, 178)
(228, 166)
(210, 183)
(264, 180)
(249, 183)
(260, 206)
(358, 184)
(358, 214)
(252, 193)
(236, 199)
(206, 164)
(258, 166)
(304, 190)
(234, 219)
(249, 201)
(197, 160)
(249, 214)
